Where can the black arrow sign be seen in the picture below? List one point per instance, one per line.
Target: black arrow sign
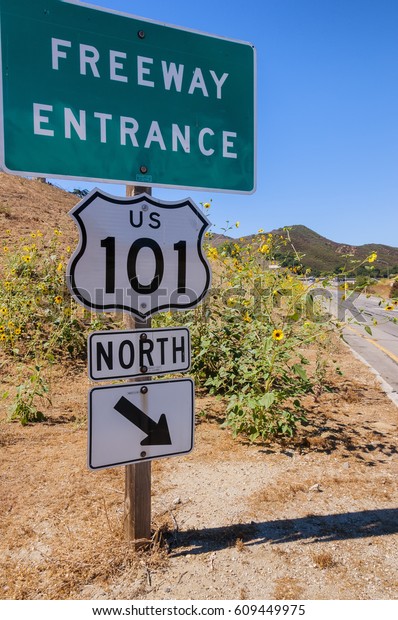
(158, 432)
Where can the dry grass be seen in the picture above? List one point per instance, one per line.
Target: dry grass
(287, 589)
(381, 289)
(323, 560)
(239, 545)
(28, 205)
(280, 491)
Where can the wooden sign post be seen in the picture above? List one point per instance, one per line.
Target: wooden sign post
(137, 503)
(137, 495)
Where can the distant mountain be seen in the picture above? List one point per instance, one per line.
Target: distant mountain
(218, 239)
(322, 255)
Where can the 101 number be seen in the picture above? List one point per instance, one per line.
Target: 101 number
(110, 252)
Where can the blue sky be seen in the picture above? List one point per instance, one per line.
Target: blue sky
(327, 127)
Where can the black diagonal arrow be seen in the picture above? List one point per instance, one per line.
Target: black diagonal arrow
(157, 432)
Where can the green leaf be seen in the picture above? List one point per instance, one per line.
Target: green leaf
(267, 399)
(368, 330)
(300, 371)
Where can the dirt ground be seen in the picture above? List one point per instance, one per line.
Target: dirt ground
(316, 519)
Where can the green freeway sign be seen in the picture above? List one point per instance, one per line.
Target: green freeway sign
(92, 94)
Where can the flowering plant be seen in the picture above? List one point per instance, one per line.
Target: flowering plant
(251, 336)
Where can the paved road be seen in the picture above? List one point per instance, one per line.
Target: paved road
(380, 348)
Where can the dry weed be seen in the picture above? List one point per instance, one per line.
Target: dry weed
(324, 560)
(239, 545)
(287, 588)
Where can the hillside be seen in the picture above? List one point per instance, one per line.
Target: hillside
(322, 255)
(27, 205)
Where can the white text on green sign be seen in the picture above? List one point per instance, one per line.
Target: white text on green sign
(108, 97)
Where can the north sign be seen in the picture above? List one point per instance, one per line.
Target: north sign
(138, 422)
(90, 93)
(115, 354)
(138, 255)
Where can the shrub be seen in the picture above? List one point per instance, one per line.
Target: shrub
(249, 339)
(30, 394)
(38, 317)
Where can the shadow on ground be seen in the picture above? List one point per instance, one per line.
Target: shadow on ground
(312, 529)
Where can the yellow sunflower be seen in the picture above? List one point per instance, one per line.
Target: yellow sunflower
(278, 334)
(212, 253)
